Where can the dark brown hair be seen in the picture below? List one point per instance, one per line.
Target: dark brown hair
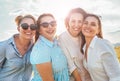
(98, 35)
(38, 23)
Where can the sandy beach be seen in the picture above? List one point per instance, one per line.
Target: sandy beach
(117, 49)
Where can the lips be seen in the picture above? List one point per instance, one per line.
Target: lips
(50, 32)
(88, 31)
(76, 29)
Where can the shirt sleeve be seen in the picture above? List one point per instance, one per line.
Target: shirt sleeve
(2, 54)
(112, 66)
(39, 54)
(71, 64)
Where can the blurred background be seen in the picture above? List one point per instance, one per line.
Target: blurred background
(108, 10)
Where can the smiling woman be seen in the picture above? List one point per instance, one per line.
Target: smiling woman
(59, 9)
(47, 58)
(16, 50)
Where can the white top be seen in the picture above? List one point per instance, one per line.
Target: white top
(71, 48)
(102, 62)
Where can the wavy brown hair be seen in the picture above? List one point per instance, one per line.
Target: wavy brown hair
(98, 35)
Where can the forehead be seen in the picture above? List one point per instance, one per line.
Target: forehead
(27, 20)
(47, 19)
(91, 19)
(76, 16)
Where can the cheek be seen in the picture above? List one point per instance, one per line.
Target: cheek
(96, 30)
(34, 32)
(70, 24)
(55, 28)
(80, 25)
(41, 31)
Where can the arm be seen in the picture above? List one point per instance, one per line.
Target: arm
(42, 60)
(76, 75)
(72, 67)
(45, 71)
(112, 66)
(2, 54)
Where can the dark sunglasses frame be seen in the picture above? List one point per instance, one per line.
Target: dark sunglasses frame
(25, 26)
(46, 24)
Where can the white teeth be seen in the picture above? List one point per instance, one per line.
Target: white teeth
(76, 29)
(50, 31)
(28, 33)
(87, 30)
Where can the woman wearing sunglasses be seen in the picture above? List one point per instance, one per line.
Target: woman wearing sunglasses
(49, 62)
(15, 52)
(70, 41)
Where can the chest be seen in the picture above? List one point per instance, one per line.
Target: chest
(15, 59)
(58, 59)
(94, 61)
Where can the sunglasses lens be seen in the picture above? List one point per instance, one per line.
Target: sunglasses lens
(24, 26)
(53, 23)
(33, 27)
(45, 24)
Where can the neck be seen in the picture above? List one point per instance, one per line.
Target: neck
(88, 41)
(22, 41)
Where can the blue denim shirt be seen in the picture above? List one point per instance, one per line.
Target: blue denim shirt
(16, 67)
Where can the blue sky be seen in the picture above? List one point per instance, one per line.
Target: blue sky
(109, 10)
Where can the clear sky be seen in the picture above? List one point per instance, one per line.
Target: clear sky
(109, 10)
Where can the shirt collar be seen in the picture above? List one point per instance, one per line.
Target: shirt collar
(12, 41)
(46, 41)
(92, 44)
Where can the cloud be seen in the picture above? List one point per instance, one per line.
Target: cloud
(108, 9)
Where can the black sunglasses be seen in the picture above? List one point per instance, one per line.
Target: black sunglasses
(46, 24)
(25, 26)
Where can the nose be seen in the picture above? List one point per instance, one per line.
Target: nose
(49, 26)
(76, 24)
(29, 28)
(87, 26)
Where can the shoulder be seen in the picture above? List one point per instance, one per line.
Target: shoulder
(4, 45)
(61, 38)
(38, 46)
(62, 35)
(5, 42)
(104, 42)
(105, 46)
(40, 53)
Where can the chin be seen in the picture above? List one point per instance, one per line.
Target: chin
(30, 38)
